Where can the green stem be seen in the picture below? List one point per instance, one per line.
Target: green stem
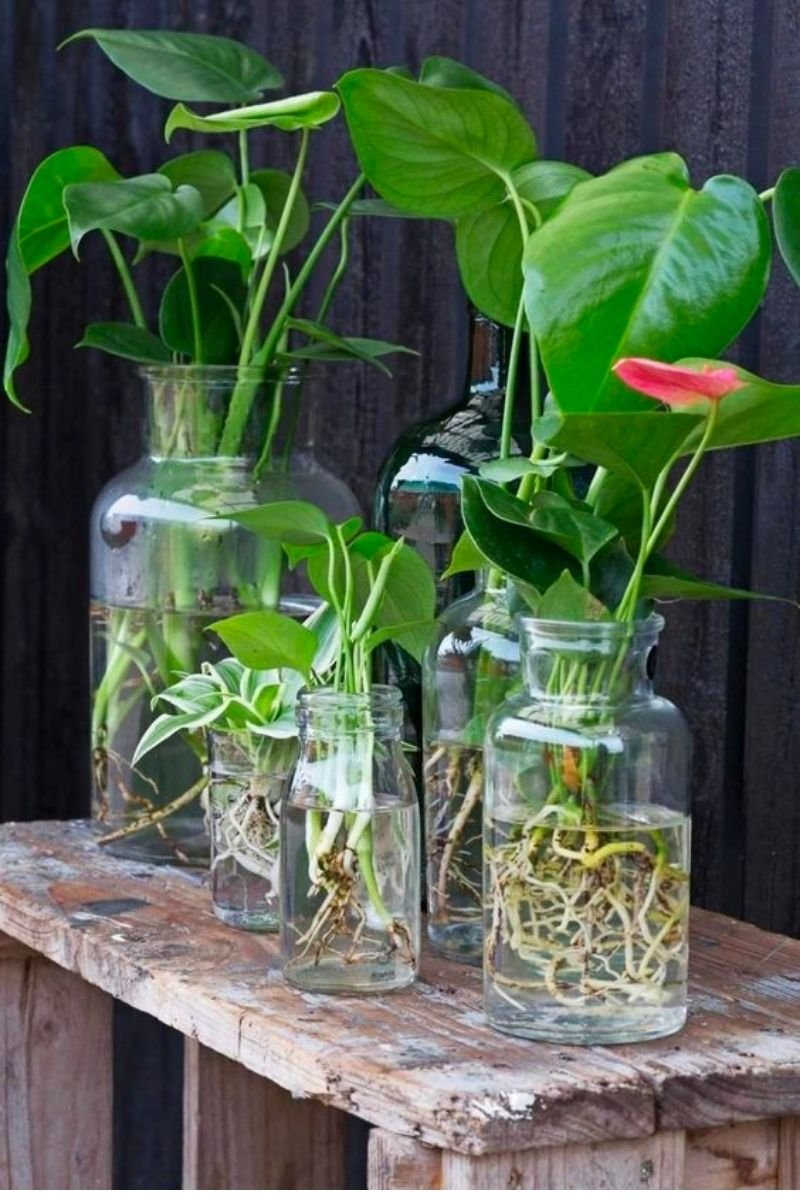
(244, 158)
(194, 302)
(137, 311)
(766, 195)
(511, 381)
(686, 478)
(338, 274)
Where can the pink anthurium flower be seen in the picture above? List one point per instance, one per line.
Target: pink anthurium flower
(677, 386)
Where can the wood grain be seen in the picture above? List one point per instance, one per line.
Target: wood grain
(55, 1086)
(241, 1131)
(400, 1164)
(733, 1158)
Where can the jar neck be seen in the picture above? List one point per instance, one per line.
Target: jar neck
(588, 663)
(488, 356)
(187, 408)
(333, 716)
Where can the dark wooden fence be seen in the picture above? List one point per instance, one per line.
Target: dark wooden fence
(600, 80)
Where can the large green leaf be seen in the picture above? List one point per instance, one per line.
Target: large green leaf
(761, 411)
(786, 214)
(308, 111)
(39, 234)
(210, 171)
(618, 500)
(568, 600)
(465, 557)
(638, 445)
(268, 640)
(524, 554)
(413, 636)
(274, 187)
(221, 293)
(186, 66)
(125, 341)
(665, 581)
(439, 71)
(636, 262)
(574, 530)
(144, 207)
(294, 522)
(410, 591)
(435, 152)
(489, 244)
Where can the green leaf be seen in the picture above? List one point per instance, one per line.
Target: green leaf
(293, 522)
(579, 533)
(39, 234)
(268, 640)
(638, 445)
(611, 571)
(185, 66)
(42, 218)
(508, 470)
(412, 636)
(218, 328)
(489, 244)
(439, 71)
(274, 187)
(520, 552)
(465, 557)
(168, 724)
(370, 206)
(435, 152)
(636, 262)
(125, 341)
(410, 591)
(760, 412)
(566, 600)
(618, 500)
(227, 244)
(327, 346)
(786, 215)
(209, 171)
(308, 111)
(665, 581)
(144, 207)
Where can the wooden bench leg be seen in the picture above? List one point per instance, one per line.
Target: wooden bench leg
(397, 1163)
(56, 1092)
(242, 1131)
(642, 1163)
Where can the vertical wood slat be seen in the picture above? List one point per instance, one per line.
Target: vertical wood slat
(743, 1156)
(652, 1163)
(242, 1131)
(789, 1154)
(397, 1163)
(56, 1083)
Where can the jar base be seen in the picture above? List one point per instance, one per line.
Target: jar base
(459, 941)
(249, 922)
(354, 980)
(589, 1029)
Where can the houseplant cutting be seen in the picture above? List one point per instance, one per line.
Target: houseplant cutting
(349, 879)
(223, 386)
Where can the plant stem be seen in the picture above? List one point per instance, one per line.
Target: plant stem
(511, 381)
(244, 158)
(123, 270)
(686, 478)
(194, 302)
(338, 274)
(766, 195)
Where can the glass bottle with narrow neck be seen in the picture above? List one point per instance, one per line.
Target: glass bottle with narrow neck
(586, 841)
(165, 564)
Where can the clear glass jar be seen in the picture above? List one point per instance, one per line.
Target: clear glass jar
(586, 842)
(350, 894)
(164, 566)
(248, 775)
(466, 673)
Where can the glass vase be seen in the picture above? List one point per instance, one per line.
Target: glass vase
(586, 842)
(248, 775)
(350, 894)
(467, 671)
(165, 564)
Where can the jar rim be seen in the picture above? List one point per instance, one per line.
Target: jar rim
(548, 628)
(212, 375)
(380, 695)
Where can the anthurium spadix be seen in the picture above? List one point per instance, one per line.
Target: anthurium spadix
(639, 263)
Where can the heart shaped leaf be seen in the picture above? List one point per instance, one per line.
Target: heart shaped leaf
(521, 553)
(439, 71)
(186, 66)
(434, 152)
(268, 640)
(308, 111)
(760, 412)
(209, 171)
(220, 288)
(638, 263)
(294, 522)
(125, 341)
(567, 600)
(144, 207)
(786, 214)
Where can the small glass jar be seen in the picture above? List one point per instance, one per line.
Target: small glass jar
(349, 883)
(466, 673)
(248, 775)
(586, 841)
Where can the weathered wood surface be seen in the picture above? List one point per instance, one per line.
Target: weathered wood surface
(241, 1131)
(422, 1063)
(55, 1075)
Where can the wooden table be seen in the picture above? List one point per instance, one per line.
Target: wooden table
(270, 1072)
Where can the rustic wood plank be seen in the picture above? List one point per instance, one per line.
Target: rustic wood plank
(733, 1157)
(789, 1154)
(643, 1164)
(242, 1131)
(401, 1164)
(55, 1088)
